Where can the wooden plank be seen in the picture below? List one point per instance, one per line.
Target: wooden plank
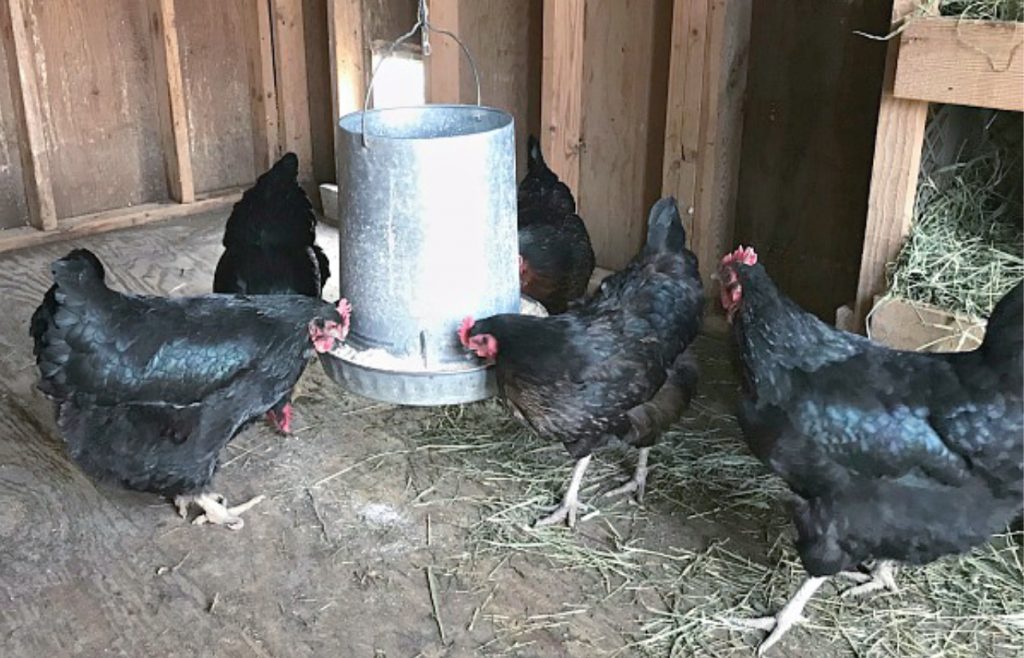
(348, 57)
(962, 62)
(685, 96)
(13, 201)
(99, 104)
(292, 84)
(625, 46)
(897, 164)
(171, 94)
(914, 326)
(110, 220)
(216, 69)
(724, 85)
(447, 71)
(561, 107)
(262, 90)
(35, 160)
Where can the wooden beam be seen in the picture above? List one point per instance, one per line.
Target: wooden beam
(962, 62)
(685, 97)
(171, 95)
(263, 89)
(35, 160)
(446, 67)
(721, 128)
(111, 220)
(292, 84)
(897, 164)
(562, 88)
(348, 55)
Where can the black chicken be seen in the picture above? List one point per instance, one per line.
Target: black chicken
(270, 249)
(614, 365)
(148, 390)
(555, 255)
(893, 456)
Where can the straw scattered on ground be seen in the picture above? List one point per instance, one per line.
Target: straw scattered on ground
(680, 587)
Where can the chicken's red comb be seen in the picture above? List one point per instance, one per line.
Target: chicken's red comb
(344, 308)
(467, 324)
(745, 255)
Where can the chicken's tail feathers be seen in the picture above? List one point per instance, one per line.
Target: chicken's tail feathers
(1004, 336)
(534, 157)
(665, 232)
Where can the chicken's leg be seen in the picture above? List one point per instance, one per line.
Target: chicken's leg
(790, 615)
(570, 503)
(215, 509)
(880, 576)
(637, 482)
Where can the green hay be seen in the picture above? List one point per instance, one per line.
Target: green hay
(966, 248)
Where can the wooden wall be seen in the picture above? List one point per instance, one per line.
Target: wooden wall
(625, 89)
(813, 89)
(505, 39)
(13, 206)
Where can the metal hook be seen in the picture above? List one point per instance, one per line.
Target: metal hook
(422, 24)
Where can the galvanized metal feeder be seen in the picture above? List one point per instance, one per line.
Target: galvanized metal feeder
(427, 209)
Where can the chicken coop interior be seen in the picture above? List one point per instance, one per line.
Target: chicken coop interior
(870, 152)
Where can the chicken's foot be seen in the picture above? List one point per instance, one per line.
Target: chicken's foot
(880, 576)
(637, 483)
(215, 509)
(790, 615)
(570, 503)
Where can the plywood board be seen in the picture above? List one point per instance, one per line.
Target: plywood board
(808, 138)
(99, 103)
(218, 86)
(561, 107)
(962, 62)
(625, 65)
(292, 83)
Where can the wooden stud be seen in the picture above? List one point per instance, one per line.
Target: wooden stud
(721, 129)
(685, 96)
(259, 41)
(35, 159)
(446, 67)
(110, 220)
(899, 139)
(562, 88)
(171, 94)
(348, 55)
(962, 62)
(292, 84)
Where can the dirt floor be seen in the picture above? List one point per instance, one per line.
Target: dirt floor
(402, 532)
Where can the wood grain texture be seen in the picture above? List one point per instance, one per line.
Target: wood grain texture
(292, 83)
(100, 115)
(721, 131)
(13, 204)
(262, 89)
(561, 105)
(22, 68)
(222, 135)
(110, 220)
(962, 62)
(685, 98)
(171, 101)
(808, 137)
(899, 138)
(446, 68)
(349, 59)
